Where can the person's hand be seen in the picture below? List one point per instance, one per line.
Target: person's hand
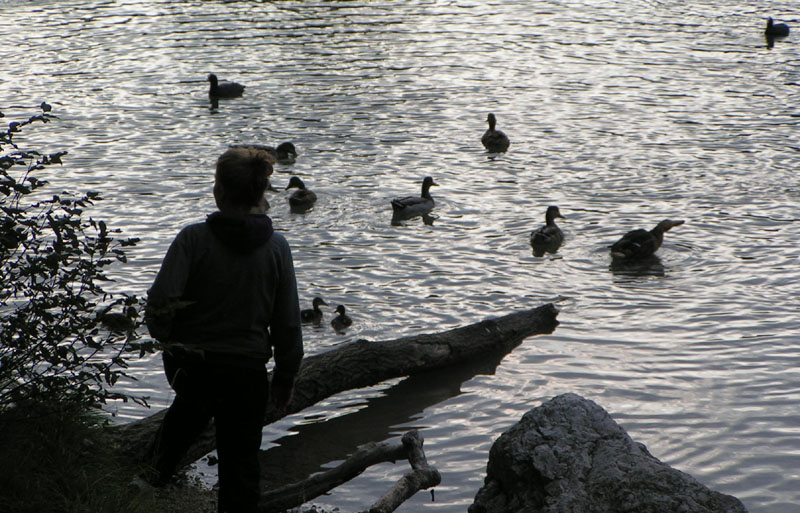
(282, 391)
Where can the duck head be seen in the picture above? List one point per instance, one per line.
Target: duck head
(317, 301)
(340, 309)
(427, 182)
(667, 224)
(213, 79)
(285, 149)
(552, 213)
(295, 181)
(491, 120)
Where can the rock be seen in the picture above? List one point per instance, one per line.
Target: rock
(569, 456)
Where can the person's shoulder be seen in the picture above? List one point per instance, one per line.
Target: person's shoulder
(277, 239)
(192, 233)
(194, 228)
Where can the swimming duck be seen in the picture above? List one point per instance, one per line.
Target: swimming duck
(495, 141)
(223, 90)
(341, 321)
(640, 243)
(285, 153)
(413, 206)
(118, 322)
(774, 30)
(313, 314)
(548, 237)
(302, 197)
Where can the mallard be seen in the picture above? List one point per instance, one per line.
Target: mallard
(118, 322)
(302, 197)
(495, 141)
(223, 90)
(413, 206)
(774, 30)
(313, 314)
(286, 153)
(341, 321)
(640, 243)
(548, 237)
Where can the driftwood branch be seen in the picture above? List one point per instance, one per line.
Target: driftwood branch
(329, 373)
(422, 476)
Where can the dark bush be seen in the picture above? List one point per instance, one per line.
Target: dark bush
(62, 336)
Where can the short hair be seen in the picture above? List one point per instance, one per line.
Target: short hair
(243, 176)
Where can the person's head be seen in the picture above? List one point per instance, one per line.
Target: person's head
(241, 178)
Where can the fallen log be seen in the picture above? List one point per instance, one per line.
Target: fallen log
(422, 476)
(329, 373)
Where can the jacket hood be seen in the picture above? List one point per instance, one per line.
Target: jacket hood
(242, 233)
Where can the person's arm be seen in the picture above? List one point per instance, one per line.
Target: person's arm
(164, 297)
(286, 335)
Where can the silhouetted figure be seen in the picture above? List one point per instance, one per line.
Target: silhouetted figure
(223, 304)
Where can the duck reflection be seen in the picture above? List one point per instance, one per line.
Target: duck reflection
(649, 266)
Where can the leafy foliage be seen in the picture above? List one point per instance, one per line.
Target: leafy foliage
(56, 340)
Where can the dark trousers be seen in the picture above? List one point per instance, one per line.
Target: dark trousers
(234, 392)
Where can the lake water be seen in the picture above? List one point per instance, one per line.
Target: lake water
(622, 113)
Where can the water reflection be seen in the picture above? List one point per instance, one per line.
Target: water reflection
(541, 247)
(650, 266)
(315, 445)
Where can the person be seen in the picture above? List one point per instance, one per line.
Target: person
(223, 303)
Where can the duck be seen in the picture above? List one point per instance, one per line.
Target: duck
(495, 141)
(285, 153)
(413, 206)
(223, 90)
(774, 30)
(638, 244)
(548, 237)
(341, 321)
(302, 197)
(118, 322)
(313, 314)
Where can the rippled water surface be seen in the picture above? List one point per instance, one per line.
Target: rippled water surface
(623, 113)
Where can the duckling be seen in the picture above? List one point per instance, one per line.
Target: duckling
(774, 30)
(495, 141)
(413, 206)
(638, 244)
(223, 90)
(302, 197)
(285, 153)
(341, 321)
(548, 237)
(313, 314)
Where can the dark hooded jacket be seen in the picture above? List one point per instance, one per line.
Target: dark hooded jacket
(228, 286)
